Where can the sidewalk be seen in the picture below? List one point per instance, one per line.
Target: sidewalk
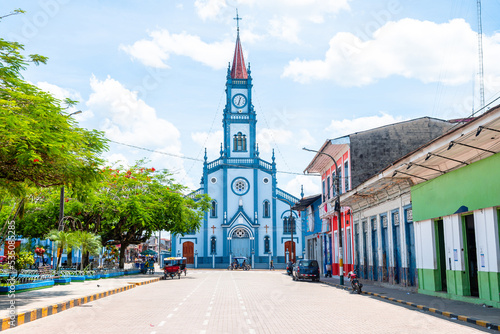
(457, 310)
(32, 305)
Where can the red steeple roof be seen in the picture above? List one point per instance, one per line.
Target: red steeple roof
(238, 71)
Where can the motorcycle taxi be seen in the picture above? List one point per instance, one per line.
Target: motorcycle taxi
(174, 266)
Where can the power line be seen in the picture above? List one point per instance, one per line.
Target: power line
(155, 151)
(201, 160)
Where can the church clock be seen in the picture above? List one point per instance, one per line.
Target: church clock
(239, 100)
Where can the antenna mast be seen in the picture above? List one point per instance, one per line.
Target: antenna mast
(480, 50)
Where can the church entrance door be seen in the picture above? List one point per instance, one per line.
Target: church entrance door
(290, 251)
(188, 251)
(240, 244)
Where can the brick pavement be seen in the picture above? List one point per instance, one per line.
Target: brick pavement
(33, 305)
(257, 301)
(488, 317)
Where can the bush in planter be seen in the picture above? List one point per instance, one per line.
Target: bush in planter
(23, 259)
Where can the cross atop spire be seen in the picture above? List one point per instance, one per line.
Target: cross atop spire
(237, 18)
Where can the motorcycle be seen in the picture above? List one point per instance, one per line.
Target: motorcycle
(355, 284)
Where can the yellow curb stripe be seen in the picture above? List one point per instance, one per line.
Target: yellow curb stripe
(481, 323)
(5, 323)
(422, 307)
(446, 314)
(54, 308)
(433, 310)
(463, 318)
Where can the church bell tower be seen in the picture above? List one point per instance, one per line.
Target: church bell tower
(239, 114)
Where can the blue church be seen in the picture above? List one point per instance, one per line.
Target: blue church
(249, 216)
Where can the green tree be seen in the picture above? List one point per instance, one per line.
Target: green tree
(23, 259)
(41, 145)
(89, 243)
(125, 207)
(142, 200)
(63, 240)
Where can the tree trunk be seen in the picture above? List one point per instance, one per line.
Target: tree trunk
(59, 256)
(123, 248)
(70, 258)
(85, 259)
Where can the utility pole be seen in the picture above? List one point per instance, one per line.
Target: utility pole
(480, 51)
(337, 213)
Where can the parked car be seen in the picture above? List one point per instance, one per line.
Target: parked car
(306, 269)
(289, 268)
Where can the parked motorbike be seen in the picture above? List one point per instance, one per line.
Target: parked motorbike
(355, 284)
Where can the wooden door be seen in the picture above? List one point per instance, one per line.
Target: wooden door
(188, 251)
(290, 250)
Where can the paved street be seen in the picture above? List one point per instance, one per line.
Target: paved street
(240, 302)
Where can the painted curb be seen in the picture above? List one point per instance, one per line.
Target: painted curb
(450, 315)
(32, 315)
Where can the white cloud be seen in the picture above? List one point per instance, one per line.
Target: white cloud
(211, 141)
(305, 139)
(62, 94)
(129, 120)
(147, 52)
(209, 9)
(422, 50)
(117, 159)
(285, 28)
(267, 138)
(347, 126)
(155, 51)
(306, 9)
(311, 185)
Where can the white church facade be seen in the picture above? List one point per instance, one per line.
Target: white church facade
(250, 215)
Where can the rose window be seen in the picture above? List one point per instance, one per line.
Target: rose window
(240, 186)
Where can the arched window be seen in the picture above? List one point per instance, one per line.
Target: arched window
(213, 245)
(288, 226)
(239, 142)
(267, 244)
(266, 210)
(213, 210)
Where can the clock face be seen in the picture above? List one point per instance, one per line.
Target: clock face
(239, 100)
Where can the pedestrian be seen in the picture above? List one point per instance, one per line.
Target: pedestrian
(328, 270)
(271, 267)
(151, 264)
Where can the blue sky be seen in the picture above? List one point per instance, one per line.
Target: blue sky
(152, 73)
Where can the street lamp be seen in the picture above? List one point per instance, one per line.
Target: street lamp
(337, 212)
(61, 201)
(292, 224)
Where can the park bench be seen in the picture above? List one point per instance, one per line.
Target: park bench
(44, 271)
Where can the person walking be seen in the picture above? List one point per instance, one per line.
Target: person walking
(328, 270)
(271, 266)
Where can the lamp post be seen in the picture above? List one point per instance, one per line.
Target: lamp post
(292, 224)
(337, 212)
(61, 201)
